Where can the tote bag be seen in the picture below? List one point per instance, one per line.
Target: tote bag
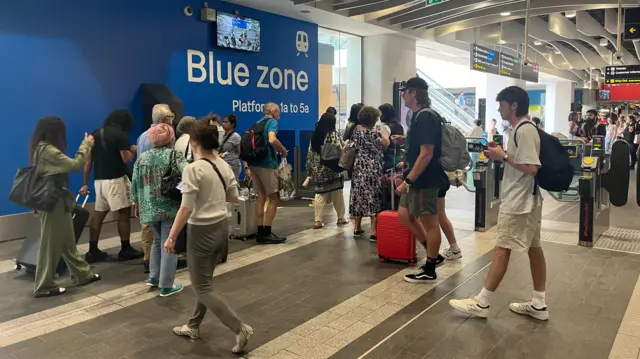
(31, 189)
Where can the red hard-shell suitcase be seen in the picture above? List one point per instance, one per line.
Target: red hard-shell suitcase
(395, 241)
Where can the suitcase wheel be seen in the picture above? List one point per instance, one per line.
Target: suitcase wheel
(413, 262)
(18, 266)
(382, 259)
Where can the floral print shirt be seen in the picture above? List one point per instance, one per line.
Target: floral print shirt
(146, 189)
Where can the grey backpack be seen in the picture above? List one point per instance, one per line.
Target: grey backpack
(454, 154)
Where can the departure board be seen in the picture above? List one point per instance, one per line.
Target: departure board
(495, 62)
(622, 74)
(484, 60)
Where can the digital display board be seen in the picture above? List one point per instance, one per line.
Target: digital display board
(597, 142)
(530, 72)
(622, 74)
(510, 66)
(572, 151)
(484, 59)
(498, 63)
(497, 139)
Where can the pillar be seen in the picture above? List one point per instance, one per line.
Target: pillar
(354, 70)
(386, 58)
(558, 99)
(488, 88)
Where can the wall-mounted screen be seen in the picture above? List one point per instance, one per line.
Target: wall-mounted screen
(239, 33)
(604, 95)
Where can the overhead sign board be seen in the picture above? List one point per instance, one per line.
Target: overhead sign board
(485, 60)
(433, 2)
(495, 62)
(622, 74)
(631, 24)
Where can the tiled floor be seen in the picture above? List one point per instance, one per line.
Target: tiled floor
(324, 294)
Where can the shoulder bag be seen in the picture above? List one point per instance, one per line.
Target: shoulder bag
(31, 189)
(171, 180)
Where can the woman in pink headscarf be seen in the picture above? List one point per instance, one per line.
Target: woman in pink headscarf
(156, 204)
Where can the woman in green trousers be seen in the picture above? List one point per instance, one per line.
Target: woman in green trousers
(47, 151)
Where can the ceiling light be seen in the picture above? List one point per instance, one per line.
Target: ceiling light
(537, 42)
(557, 52)
(569, 14)
(604, 42)
(505, 13)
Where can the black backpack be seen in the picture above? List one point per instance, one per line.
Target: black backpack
(556, 172)
(253, 143)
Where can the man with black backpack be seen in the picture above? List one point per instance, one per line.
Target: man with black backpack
(259, 147)
(519, 222)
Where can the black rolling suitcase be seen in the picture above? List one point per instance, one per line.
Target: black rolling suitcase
(28, 254)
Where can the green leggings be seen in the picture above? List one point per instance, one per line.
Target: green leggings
(58, 240)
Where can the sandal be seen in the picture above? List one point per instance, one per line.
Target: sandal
(317, 225)
(342, 222)
(51, 293)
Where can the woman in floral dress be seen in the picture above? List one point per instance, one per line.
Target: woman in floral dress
(328, 182)
(366, 190)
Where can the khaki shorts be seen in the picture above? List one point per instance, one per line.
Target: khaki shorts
(113, 194)
(519, 231)
(421, 202)
(265, 180)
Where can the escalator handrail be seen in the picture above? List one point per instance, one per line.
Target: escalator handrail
(468, 111)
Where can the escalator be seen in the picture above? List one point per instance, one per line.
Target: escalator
(445, 103)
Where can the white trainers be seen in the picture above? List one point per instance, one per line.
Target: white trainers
(185, 331)
(530, 310)
(469, 306)
(242, 338)
(450, 254)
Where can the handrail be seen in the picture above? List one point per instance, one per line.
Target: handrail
(469, 112)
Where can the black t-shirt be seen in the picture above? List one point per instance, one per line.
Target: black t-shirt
(425, 129)
(107, 161)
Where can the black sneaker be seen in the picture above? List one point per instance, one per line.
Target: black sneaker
(423, 275)
(95, 256)
(270, 239)
(146, 266)
(440, 260)
(129, 254)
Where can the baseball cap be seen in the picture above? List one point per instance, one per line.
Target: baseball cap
(416, 83)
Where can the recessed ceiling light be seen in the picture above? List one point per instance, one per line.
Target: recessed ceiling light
(305, 11)
(604, 42)
(506, 13)
(557, 52)
(537, 42)
(569, 14)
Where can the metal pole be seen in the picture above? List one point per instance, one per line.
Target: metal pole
(619, 46)
(526, 32)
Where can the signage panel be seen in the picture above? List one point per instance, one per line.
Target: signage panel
(622, 74)
(484, 60)
(510, 66)
(530, 72)
(572, 150)
(495, 62)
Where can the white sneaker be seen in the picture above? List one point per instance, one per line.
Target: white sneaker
(242, 338)
(450, 254)
(530, 310)
(469, 306)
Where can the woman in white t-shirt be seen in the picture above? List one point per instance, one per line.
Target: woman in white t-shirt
(476, 131)
(207, 185)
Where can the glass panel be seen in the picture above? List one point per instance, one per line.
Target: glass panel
(576, 149)
(344, 88)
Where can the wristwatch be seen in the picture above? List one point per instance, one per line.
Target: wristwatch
(171, 240)
(505, 158)
(408, 181)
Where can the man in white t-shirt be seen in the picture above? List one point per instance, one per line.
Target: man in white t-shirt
(520, 216)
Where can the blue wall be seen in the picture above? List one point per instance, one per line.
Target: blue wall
(81, 59)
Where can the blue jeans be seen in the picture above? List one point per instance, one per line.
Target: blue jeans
(162, 265)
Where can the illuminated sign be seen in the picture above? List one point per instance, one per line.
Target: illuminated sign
(498, 63)
(572, 151)
(475, 147)
(622, 74)
(597, 142)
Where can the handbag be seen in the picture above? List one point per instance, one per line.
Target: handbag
(348, 156)
(31, 189)
(330, 156)
(171, 180)
(181, 241)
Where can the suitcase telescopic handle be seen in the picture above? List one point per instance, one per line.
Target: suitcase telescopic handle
(84, 202)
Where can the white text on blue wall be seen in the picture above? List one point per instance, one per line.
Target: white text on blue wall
(238, 74)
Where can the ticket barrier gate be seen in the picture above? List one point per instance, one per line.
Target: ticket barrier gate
(487, 176)
(604, 182)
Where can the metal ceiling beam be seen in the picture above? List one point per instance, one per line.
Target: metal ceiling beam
(389, 4)
(354, 4)
(437, 10)
(448, 25)
(302, 2)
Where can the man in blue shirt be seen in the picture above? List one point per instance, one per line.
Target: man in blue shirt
(161, 113)
(265, 178)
